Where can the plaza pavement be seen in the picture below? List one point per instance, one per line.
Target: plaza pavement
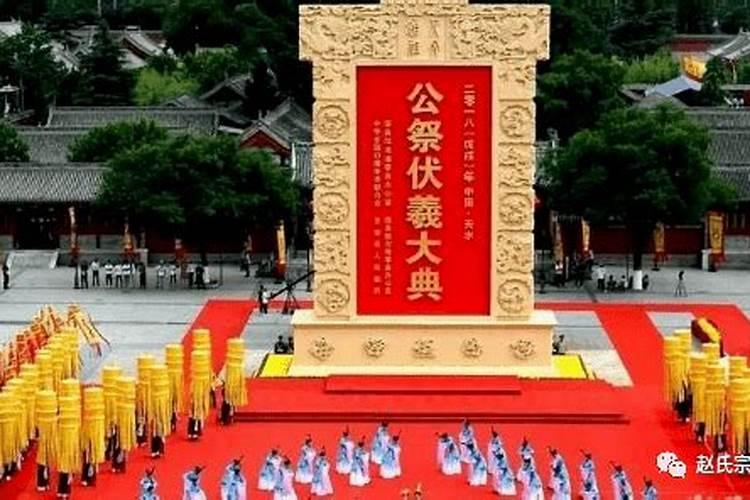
(142, 321)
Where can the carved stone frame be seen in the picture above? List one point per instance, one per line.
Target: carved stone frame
(508, 38)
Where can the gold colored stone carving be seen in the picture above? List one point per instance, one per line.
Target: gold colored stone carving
(514, 252)
(514, 296)
(424, 348)
(374, 346)
(517, 121)
(471, 348)
(523, 349)
(333, 295)
(333, 79)
(321, 349)
(331, 121)
(331, 252)
(332, 167)
(516, 78)
(516, 211)
(516, 166)
(331, 209)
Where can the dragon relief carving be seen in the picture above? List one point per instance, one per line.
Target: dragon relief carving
(333, 295)
(331, 167)
(514, 297)
(332, 78)
(471, 348)
(374, 347)
(515, 211)
(331, 252)
(500, 33)
(514, 252)
(515, 166)
(523, 349)
(321, 349)
(331, 209)
(424, 348)
(331, 121)
(517, 78)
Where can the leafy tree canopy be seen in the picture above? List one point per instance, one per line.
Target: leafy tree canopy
(716, 75)
(642, 28)
(12, 147)
(187, 182)
(212, 67)
(154, 88)
(26, 60)
(637, 167)
(104, 143)
(103, 80)
(576, 91)
(656, 68)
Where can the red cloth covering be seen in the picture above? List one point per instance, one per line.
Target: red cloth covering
(706, 330)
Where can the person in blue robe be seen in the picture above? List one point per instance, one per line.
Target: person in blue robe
(380, 443)
(559, 478)
(477, 467)
(495, 445)
(466, 437)
(390, 466)
(588, 468)
(527, 461)
(321, 483)
(304, 474)
(649, 490)
(284, 487)
(504, 481)
(148, 486)
(360, 474)
(269, 470)
(450, 465)
(192, 485)
(533, 489)
(345, 453)
(233, 484)
(620, 484)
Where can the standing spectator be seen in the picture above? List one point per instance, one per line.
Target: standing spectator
(260, 298)
(161, 273)
(133, 272)
(126, 274)
(290, 344)
(173, 274)
(559, 274)
(118, 275)
(646, 282)
(95, 273)
(84, 274)
(200, 282)
(6, 276)
(142, 275)
(580, 271)
(191, 275)
(265, 300)
(108, 268)
(681, 290)
(601, 276)
(247, 264)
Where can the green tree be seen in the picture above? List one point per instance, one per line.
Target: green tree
(573, 29)
(212, 67)
(716, 75)
(12, 147)
(26, 61)
(102, 144)
(190, 185)
(154, 88)
(576, 91)
(734, 19)
(656, 68)
(743, 72)
(103, 80)
(694, 16)
(637, 167)
(205, 23)
(642, 28)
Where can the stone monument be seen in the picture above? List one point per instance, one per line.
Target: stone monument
(423, 167)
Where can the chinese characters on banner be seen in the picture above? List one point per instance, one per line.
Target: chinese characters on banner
(423, 190)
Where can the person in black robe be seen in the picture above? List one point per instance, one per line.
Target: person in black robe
(227, 412)
(88, 473)
(140, 433)
(119, 459)
(42, 477)
(173, 422)
(64, 485)
(158, 445)
(195, 428)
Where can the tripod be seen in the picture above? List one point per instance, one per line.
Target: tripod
(290, 302)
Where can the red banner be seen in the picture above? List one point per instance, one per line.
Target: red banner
(424, 150)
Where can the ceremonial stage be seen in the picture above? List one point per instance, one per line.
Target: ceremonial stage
(628, 425)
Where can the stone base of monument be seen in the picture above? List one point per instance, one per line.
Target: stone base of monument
(401, 345)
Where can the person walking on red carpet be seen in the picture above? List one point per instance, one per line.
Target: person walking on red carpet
(495, 445)
(504, 482)
(360, 474)
(621, 484)
(588, 478)
(284, 488)
(466, 438)
(390, 467)
(304, 474)
(559, 479)
(380, 443)
(270, 471)
(449, 456)
(191, 485)
(345, 453)
(148, 486)
(477, 467)
(649, 491)
(321, 484)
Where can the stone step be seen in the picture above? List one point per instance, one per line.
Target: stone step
(33, 259)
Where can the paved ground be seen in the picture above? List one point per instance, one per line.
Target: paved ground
(142, 321)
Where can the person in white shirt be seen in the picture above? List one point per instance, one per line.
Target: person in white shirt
(108, 269)
(118, 275)
(173, 274)
(95, 273)
(601, 276)
(126, 274)
(161, 273)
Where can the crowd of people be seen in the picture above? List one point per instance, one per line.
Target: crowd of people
(133, 274)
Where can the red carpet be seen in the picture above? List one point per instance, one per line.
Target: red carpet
(285, 410)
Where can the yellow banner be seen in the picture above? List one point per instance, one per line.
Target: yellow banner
(585, 237)
(659, 240)
(558, 242)
(716, 233)
(281, 243)
(693, 67)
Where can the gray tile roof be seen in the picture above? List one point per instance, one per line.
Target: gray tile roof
(674, 86)
(730, 147)
(201, 120)
(291, 120)
(49, 183)
(735, 49)
(738, 177)
(721, 118)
